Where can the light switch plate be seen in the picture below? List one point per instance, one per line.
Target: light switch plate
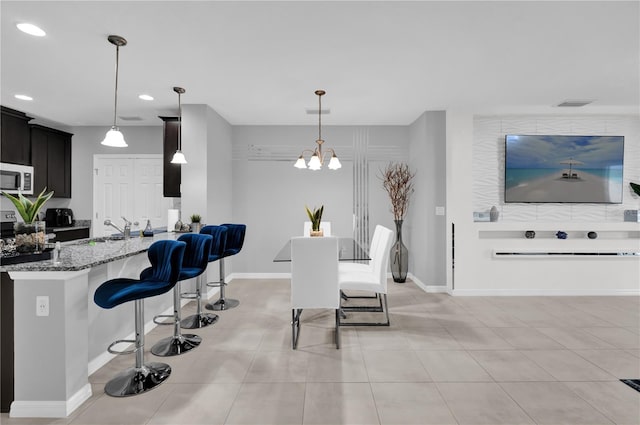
(439, 210)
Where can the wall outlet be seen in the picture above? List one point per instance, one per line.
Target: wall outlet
(439, 210)
(42, 305)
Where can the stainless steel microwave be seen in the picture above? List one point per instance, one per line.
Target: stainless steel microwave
(16, 178)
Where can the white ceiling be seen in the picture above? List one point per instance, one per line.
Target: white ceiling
(260, 62)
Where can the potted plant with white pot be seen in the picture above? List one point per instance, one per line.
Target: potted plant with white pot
(30, 234)
(315, 217)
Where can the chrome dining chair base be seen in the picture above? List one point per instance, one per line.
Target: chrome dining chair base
(137, 380)
(196, 321)
(222, 304)
(373, 309)
(174, 346)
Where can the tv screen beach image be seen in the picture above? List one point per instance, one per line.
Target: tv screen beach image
(563, 168)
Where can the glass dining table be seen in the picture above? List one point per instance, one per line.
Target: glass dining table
(348, 250)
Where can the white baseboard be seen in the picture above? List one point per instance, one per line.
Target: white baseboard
(49, 409)
(425, 287)
(542, 292)
(261, 275)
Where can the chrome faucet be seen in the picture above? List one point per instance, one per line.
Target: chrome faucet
(127, 227)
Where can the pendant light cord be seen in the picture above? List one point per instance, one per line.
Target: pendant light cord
(319, 117)
(115, 101)
(179, 122)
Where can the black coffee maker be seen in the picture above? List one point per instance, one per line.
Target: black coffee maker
(59, 217)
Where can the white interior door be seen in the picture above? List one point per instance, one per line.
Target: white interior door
(129, 187)
(149, 203)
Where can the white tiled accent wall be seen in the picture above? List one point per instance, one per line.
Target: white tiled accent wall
(488, 165)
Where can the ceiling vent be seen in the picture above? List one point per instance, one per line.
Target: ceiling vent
(574, 103)
(130, 118)
(314, 111)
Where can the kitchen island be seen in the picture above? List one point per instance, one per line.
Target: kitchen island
(59, 344)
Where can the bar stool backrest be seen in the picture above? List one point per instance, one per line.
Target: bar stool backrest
(235, 238)
(196, 254)
(219, 242)
(166, 260)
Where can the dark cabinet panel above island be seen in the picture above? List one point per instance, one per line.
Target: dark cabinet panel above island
(51, 160)
(15, 146)
(172, 172)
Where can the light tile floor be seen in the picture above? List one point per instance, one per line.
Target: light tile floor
(443, 360)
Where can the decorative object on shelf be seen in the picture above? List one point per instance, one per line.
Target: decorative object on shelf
(529, 234)
(178, 157)
(494, 214)
(196, 224)
(481, 216)
(561, 235)
(632, 216)
(317, 156)
(30, 235)
(315, 217)
(592, 235)
(114, 137)
(397, 181)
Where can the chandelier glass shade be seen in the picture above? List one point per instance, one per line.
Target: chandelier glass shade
(114, 137)
(317, 155)
(178, 157)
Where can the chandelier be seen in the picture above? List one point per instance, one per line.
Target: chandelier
(317, 156)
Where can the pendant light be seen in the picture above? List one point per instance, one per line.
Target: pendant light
(114, 137)
(317, 156)
(178, 157)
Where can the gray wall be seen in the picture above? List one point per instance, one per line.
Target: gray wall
(427, 231)
(269, 194)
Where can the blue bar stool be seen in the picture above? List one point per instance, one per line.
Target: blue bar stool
(235, 240)
(179, 343)
(166, 258)
(200, 319)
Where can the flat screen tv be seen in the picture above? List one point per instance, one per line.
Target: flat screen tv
(555, 169)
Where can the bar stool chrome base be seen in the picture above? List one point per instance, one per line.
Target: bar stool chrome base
(176, 345)
(223, 304)
(137, 380)
(196, 321)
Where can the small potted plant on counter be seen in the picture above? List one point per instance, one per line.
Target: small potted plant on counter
(196, 224)
(315, 217)
(30, 235)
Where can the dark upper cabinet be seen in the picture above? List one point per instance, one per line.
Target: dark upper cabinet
(15, 145)
(172, 175)
(51, 160)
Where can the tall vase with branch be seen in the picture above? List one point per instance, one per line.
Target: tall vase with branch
(397, 180)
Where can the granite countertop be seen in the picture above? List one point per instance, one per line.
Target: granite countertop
(63, 229)
(84, 253)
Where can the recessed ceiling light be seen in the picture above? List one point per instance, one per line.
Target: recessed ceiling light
(145, 97)
(31, 29)
(23, 97)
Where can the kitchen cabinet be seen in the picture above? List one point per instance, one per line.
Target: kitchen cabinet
(172, 172)
(71, 233)
(15, 146)
(51, 160)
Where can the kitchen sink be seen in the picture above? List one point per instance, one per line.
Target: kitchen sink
(105, 239)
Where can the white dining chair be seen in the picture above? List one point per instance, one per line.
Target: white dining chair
(314, 280)
(370, 277)
(325, 226)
